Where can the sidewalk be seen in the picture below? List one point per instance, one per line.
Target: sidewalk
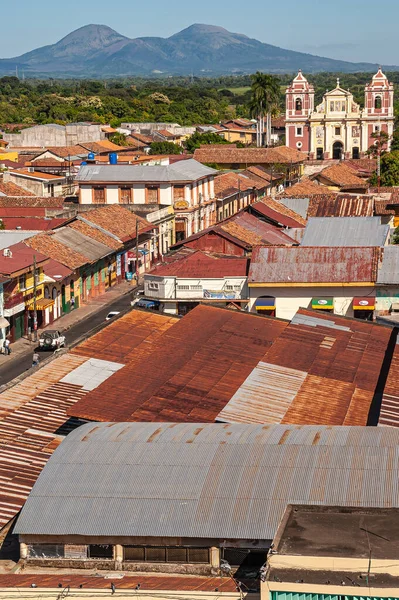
(24, 346)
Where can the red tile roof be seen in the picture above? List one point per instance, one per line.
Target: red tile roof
(36, 175)
(254, 156)
(30, 201)
(302, 264)
(228, 183)
(203, 265)
(118, 220)
(50, 247)
(304, 188)
(12, 189)
(342, 176)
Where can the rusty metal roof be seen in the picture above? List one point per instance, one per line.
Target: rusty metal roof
(303, 264)
(33, 417)
(187, 375)
(153, 581)
(389, 412)
(322, 369)
(341, 205)
(206, 480)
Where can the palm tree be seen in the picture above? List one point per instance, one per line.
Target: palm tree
(265, 98)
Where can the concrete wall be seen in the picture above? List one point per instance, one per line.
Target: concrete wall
(55, 135)
(290, 299)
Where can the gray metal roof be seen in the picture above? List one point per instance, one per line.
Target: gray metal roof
(183, 170)
(9, 238)
(81, 243)
(345, 231)
(389, 270)
(298, 205)
(194, 480)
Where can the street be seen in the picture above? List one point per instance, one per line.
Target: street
(24, 362)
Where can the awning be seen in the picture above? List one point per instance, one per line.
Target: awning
(41, 304)
(323, 303)
(367, 303)
(4, 323)
(265, 304)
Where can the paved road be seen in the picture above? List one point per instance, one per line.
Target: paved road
(24, 362)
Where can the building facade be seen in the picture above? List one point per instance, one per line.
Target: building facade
(338, 127)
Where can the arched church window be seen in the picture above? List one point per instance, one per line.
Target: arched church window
(298, 104)
(378, 102)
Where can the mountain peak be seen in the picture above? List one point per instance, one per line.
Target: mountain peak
(89, 37)
(199, 29)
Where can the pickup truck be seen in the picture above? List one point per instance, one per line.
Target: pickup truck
(51, 340)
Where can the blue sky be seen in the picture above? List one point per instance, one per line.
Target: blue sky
(344, 29)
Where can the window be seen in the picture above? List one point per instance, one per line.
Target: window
(126, 195)
(166, 554)
(98, 195)
(298, 104)
(378, 102)
(152, 194)
(46, 551)
(332, 106)
(153, 286)
(183, 288)
(179, 192)
(22, 282)
(50, 188)
(242, 135)
(196, 288)
(338, 131)
(299, 131)
(355, 131)
(377, 128)
(101, 551)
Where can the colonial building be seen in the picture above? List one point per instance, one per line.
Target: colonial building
(338, 127)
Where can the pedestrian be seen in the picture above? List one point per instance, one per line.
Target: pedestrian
(35, 359)
(7, 349)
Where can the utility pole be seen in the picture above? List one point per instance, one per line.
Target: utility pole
(34, 300)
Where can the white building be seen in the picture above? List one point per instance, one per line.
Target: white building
(187, 185)
(191, 277)
(338, 280)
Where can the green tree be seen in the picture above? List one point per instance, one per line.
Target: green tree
(380, 145)
(165, 148)
(200, 139)
(265, 95)
(395, 140)
(119, 139)
(395, 236)
(389, 170)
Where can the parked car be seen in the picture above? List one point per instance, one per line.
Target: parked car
(112, 315)
(146, 304)
(51, 340)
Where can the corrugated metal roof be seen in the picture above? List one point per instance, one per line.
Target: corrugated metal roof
(345, 231)
(9, 238)
(81, 243)
(187, 375)
(185, 170)
(212, 480)
(388, 273)
(341, 205)
(298, 205)
(389, 413)
(320, 370)
(303, 264)
(201, 264)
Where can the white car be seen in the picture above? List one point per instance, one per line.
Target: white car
(112, 315)
(51, 340)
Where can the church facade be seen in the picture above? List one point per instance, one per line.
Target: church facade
(338, 127)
